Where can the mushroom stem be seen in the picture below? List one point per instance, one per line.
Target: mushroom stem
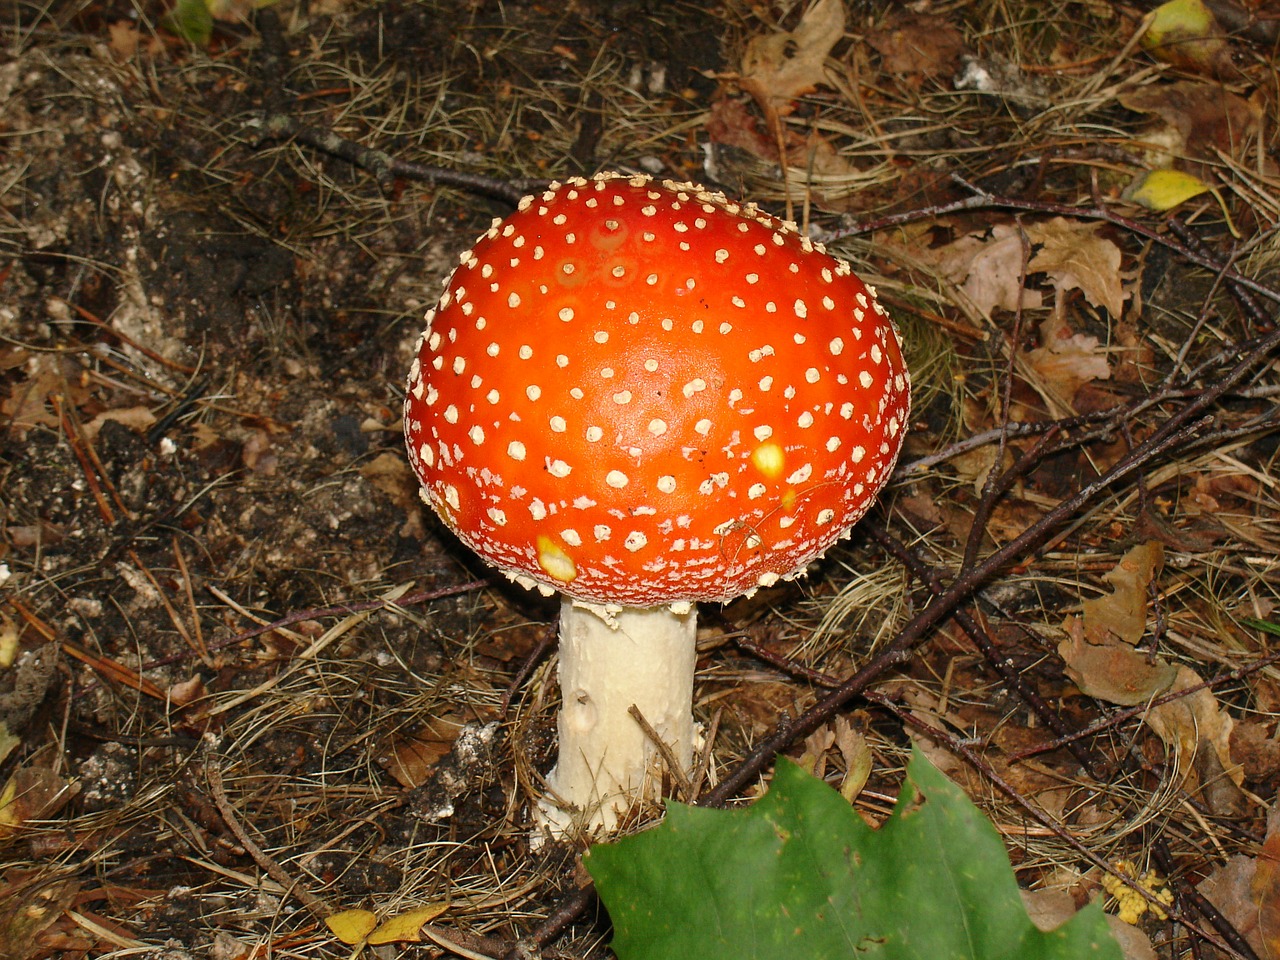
(637, 656)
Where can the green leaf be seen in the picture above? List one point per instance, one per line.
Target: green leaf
(191, 20)
(799, 874)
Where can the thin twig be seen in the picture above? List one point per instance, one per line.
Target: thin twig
(276, 872)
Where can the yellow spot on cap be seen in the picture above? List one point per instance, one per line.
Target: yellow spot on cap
(769, 459)
(553, 559)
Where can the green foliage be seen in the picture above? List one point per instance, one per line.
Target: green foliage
(191, 20)
(799, 874)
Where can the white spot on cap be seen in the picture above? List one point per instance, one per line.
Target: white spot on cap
(856, 455)
(657, 427)
(667, 483)
(497, 516)
(566, 314)
(635, 541)
(696, 385)
(515, 450)
(558, 468)
(865, 378)
(526, 352)
(622, 397)
(703, 427)
(756, 491)
(825, 516)
(812, 375)
(513, 300)
(616, 479)
(833, 444)
(571, 537)
(801, 475)
(601, 532)
(533, 391)
(722, 255)
(805, 420)
(557, 424)
(476, 434)
(836, 346)
(802, 310)
(594, 434)
(763, 432)
(451, 414)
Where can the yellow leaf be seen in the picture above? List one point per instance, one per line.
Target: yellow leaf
(1162, 190)
(406, 926)
(1185, 34)
(351, 926)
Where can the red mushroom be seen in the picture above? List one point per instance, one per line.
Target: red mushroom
(643, 396)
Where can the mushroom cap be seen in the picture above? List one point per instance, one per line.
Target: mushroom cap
(640, 394)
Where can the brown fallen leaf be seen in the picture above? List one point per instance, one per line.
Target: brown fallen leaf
(1197, 120)
(1076, 256)
(989, 270)
(1264, 890)
(1063, 363)
(1197, 733)
(1246, 891)
(782, 66)
(1111, 671)
(918, 46)
(1122, 613)
(1099, 650)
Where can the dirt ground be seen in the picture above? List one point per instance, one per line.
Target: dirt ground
(242, 665)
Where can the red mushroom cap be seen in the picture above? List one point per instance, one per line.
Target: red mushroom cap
(640, 394)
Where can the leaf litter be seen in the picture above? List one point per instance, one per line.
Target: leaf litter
(203, 340)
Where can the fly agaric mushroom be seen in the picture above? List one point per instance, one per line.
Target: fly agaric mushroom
(643, 396)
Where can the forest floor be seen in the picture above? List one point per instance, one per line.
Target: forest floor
(243, 672)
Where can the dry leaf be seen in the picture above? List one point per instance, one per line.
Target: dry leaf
(1112, 672)
(1246, 891)
(1198, 120)
(1198, 735)
(32, 793)
(1075, 256)
(351, 926)
(1099, 650)
(989, 271)
(782, 66)
(1229, 889)
(407, 926)
(1264, 890)
(918, 45)
(1122, 614)
(1064, 363)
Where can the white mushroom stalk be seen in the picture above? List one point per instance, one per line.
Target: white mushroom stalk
(644, 396)
(641, 659)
